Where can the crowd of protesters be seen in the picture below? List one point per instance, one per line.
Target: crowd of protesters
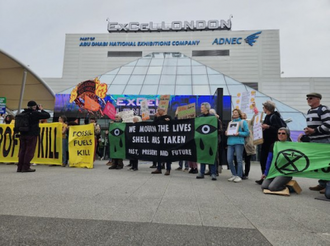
(238, 147)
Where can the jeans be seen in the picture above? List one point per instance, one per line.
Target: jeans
(212, 169)
(185, 164)
(64, 151)
(238, 149)
(168, 166)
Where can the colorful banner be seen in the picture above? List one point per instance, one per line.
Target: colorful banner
(81, 146)
(307, 160)
(190, 140)
(245, 101)
(110, 110)
(187, 111)
(144, 110)
(48, 149)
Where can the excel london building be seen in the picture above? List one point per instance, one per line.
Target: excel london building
(135, 55)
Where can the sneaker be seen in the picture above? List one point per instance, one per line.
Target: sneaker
(259, 182)
(167, 172)
(135, 169)
(232, 178)
(156, 172)
(200, 176)
(214, 177)
(186, 168)
(237, 179)
(179, 168)
(245, 177)
(109, 163)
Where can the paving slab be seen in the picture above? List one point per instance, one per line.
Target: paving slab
(72, 206)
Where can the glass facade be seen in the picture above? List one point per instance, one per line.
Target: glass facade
(176, 74)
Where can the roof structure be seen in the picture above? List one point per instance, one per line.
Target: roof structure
(11, 78)
(169, 73)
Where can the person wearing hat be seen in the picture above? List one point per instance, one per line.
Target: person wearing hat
(270, 126)
(318, 127)
(278, 183)
(28, 140)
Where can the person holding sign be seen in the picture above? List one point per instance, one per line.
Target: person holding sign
(205, 109)
(270, 126)
(278, 183)
(236, 134)
(318, 128)
(134, 163)
(161, 119)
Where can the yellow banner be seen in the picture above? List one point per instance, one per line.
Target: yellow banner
(81, 146)
(48, 149)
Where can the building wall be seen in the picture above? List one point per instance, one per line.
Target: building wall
(259, 63)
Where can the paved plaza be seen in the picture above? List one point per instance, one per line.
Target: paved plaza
(71, 206)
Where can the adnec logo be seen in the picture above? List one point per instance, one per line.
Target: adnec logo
(250, 40)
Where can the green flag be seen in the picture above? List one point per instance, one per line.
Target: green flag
(308, 160)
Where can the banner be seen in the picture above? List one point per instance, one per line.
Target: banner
(307, 160)
(245, 101)
(257, 129)
(187, 111)
(127, 115)
(164, 102)
(144, 110)
(81, 146)
(110, 111)
(48, 149)
(190, 140)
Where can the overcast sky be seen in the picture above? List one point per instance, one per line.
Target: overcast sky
(34, 31)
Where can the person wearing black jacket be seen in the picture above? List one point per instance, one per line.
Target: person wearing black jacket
(270, 126)
(160, 119)
(28, 140)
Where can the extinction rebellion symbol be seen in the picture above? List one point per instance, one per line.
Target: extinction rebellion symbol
(291, 161)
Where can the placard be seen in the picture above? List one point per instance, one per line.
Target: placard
(187, 111)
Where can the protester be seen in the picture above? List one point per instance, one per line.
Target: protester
(74, 122)
(278, 183)
(117, 163)
(161, 119)
(63, 120)
(249, 147)
(8, 119)
(28, 140)
(154, 163)
(205, 110)
(235, 145)
(186, 163)
(318, 128)
(97, 132)
(270, 126)
(135, 163)
(218, 166)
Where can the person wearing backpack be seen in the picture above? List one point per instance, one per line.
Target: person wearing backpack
(318, 128)
(29, 134)
(270, 126)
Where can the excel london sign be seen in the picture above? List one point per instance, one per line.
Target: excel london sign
(173, 26)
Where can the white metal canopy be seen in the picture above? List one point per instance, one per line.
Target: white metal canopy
(11, 79)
